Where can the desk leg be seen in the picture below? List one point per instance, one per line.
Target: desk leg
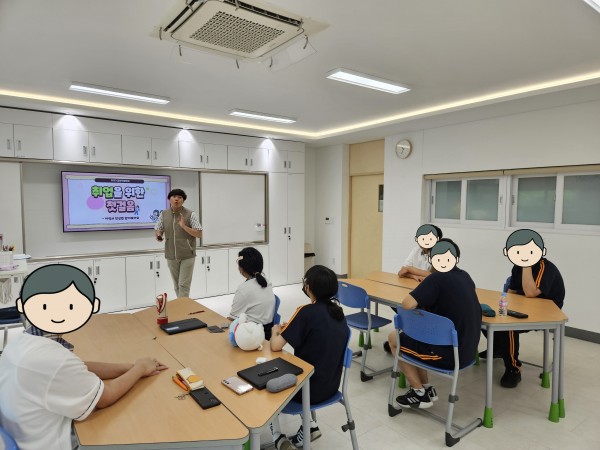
(255, 439)
(488, 414)
(306, 413)
(561, 373)
(545, 366)
(554, 413)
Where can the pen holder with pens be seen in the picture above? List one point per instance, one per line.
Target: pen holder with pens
(6, 258)
(161, 308)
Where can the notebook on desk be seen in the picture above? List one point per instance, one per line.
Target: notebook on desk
(180, 326)
(259, 374)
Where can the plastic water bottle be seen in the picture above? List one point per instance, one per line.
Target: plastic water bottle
(503, 305)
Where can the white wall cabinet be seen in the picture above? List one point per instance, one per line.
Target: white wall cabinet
(84, 146)
(165, 152)
(235, 278)
(286, 228)
(30, 141)
(215, 156)
(145, 151)
(191, 154)
(287, 161)
(244, 158)
(211, 274)
(147, 276)
(7, 146)
(108, 276)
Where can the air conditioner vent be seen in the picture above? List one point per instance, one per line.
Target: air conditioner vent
(235, 33)
(234, 28)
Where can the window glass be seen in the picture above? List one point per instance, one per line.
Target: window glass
(482, 199)
(447, 200)
(581, 200)
(536, 199)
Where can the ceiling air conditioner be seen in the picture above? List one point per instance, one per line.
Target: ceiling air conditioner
(234, 28)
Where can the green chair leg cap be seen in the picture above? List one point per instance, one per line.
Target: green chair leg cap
(247, 445)
(477, 359)
(402, 381)
(554, 415)
(361, 340)
(546, 380)
(488, 418)
(561, 408)
(376, 330)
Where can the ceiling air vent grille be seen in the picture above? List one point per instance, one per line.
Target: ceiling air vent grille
(235, 33)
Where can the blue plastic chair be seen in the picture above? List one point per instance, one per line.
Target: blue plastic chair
(355, 297)
(9, 318)
(431, 329)
(276, 316)
(7, 440)
(295, 408)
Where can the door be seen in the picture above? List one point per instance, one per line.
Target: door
(165, 152)
(33, 142)
(105, 148)
(278, 222)
(191, 154)
(71, 145)
(366, 225)
(140, 281)
(237, 158)
(136, 150)
(295, 202)
(109, 279)
(217, 272)
(215, 156)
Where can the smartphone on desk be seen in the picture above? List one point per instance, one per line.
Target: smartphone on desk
(204, 398)
(237, 385)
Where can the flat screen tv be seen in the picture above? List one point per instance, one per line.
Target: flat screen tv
(112, 201)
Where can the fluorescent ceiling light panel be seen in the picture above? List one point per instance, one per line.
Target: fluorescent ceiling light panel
(368, 81)
(594, 4)
(260, 116)
(111, 92)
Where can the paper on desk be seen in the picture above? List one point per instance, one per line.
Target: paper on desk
(21, 256)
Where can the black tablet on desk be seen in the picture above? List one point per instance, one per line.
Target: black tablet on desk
(259, 374)
(180, 326)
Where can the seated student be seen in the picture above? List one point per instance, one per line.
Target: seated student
(43, 385)
(254, 296)
(417, 264)
(448, 292)
(318, 333)
(532, 276)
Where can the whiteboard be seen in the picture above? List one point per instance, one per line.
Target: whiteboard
(233, 207)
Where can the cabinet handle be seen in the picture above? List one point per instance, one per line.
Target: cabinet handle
(289, 164)
(155, 157)
(8, 144)
(85, 150)
(19, 145)
(206, 159)
(201, 158)
(285, 164)
(246, 161)
(157, 265)
(290, 230)
(94, 151)
(284, 230)
(251, 162)
(208, 259)
(150, 265)
(203, 260)
(147, 154)
(89, 271)
(97, 270)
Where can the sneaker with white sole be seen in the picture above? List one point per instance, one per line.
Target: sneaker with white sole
(432, 393)
(298, 439)
(413, 400)
(283, 443)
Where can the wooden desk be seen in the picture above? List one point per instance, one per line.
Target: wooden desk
(543, 314)
(150, 416)
(213, 358)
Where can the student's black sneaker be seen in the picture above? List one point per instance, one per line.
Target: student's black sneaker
(413, 400)
(432, 393)
(511, 378)
(283, 443)
(298, 439)
(386, 347)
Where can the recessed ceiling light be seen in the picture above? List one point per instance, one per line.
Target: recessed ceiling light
(368, 81)
(260, 116)
(111, 92)
(594, 4)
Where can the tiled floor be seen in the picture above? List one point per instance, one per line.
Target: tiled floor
(520, 415)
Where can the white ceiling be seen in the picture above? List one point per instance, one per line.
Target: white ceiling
(445, 50)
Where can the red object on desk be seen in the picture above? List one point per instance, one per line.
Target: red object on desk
(161, 307)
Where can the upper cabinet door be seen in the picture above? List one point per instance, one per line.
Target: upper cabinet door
(7, 145)
(105, 148)
(278, 160)
(137, 150)
(295, 162)
(191, 154)
(33, 142)
(215, 156)
(71, 145)
(237, 158)
(165, 152)
(258, 159)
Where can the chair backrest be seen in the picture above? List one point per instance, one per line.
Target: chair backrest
(7, 440)
(348, 353)
(426, 327)
(276, 316)
(352, 296)
(506, 284)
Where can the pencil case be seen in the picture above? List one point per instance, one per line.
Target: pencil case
(189, 378)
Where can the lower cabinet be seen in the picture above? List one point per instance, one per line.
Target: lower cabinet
(147, 276)
(108, 276)
(211, 274)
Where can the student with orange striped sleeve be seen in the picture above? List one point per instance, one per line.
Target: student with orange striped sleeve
(448, 292)
(532, 276)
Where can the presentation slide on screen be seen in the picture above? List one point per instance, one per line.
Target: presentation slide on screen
(112, 201)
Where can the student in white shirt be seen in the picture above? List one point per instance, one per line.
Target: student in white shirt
(417, 264)
(43, 385)
(255, 295)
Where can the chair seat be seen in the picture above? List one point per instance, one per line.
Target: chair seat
(295, 408)
(361, 321)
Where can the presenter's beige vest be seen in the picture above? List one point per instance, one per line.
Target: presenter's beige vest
(178, 243)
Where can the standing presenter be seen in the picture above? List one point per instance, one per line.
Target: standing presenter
(179, 227)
